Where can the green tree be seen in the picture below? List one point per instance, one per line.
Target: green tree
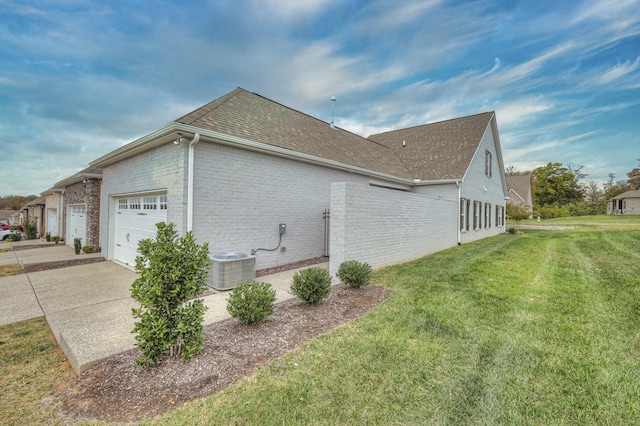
(634, 178)
(594, 197)
(556, 185)
(517, 213)
(173, 271)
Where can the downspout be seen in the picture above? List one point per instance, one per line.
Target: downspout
(459, 212)
(190, 172)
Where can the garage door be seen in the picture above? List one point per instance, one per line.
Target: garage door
(136, 219)
(77, 224)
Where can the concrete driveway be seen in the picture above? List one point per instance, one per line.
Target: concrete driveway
(88, 307)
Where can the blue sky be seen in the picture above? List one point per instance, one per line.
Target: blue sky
(79, 78)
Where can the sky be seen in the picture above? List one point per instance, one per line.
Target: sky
(80, 78)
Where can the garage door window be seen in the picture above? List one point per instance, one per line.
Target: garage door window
(150, 203)
(146, 204)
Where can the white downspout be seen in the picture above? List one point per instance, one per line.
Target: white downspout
(190, 171)
(459, 213)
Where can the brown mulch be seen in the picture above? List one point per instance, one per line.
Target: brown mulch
(115, 390)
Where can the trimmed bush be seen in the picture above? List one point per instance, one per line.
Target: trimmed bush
(47, 237)
(30, 229)
(173, 271)
(354, 274)
(14, 236)
(88, 249)
(77, 245)
(312, 284)
(251, 302)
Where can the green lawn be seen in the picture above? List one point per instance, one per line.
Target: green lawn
(536, 329)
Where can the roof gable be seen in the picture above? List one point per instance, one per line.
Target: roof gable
(250, 116)
(520, 185)
(438, 151)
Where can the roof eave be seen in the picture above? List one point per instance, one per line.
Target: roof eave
(154, 139)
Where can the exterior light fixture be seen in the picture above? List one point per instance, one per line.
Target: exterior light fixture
(179, 140)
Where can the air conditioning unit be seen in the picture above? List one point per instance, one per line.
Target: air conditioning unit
(230, 269)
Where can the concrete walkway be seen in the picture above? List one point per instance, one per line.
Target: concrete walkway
(88, 307)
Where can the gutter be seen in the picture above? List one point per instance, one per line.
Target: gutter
(190, 172)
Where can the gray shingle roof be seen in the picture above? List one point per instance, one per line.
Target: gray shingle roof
(250, 116)
(438, 151)
(628, 194)
(521, 185)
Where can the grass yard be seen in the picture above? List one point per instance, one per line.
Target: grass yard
(31, 365)
(536, 329)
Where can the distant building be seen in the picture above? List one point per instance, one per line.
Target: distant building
(625, 203)
(520, 192)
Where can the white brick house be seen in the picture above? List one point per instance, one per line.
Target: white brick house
(236, 168)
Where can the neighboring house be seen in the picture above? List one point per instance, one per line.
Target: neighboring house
(235, 169)
(81, 207)
(520, 192)
(6, 216)
(33, 211)
(625, 203)
(53, 211)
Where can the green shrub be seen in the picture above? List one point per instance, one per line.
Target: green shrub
(88, 249)
(30, 229)
(355, 274)
(77, 245)
(512, 231)
(47, 236)
(312, 284)
(55, 239)
(14, 236)
(172, 272)
(251, 302)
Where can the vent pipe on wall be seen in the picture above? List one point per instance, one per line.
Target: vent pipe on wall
(333, 111)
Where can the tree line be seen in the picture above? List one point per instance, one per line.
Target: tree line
(15, 202)
(562, 190)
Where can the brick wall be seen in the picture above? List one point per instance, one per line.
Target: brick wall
(161, 169)
(242, 196)
(383, 227)
(87, 194)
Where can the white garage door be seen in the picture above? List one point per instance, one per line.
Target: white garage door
(77, 224)
(136, 219)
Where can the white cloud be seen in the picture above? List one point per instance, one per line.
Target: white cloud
(616, 72)
(292, 10)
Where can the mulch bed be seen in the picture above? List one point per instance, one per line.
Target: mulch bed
(115, 390)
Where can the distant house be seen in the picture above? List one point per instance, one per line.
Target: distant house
(520, 192)
(81, 207)
(625, 203)
(33, 211)
(6, 216)
(237, 168)
(53, 198)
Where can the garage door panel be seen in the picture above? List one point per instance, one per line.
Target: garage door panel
(136, 219)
